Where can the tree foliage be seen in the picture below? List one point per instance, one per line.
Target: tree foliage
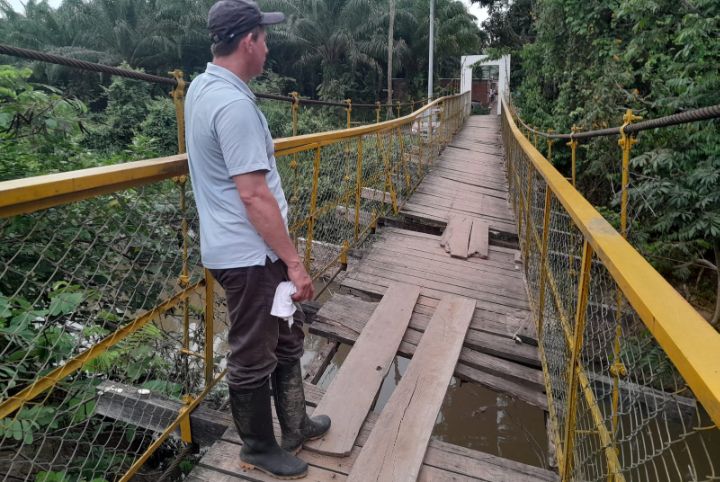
(584, 64)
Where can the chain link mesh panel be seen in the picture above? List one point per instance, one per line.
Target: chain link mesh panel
(103, 332)
(71, 277)
(633, 416)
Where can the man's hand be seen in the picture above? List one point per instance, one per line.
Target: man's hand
(302, 281)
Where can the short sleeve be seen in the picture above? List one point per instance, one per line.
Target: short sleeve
(241, 137)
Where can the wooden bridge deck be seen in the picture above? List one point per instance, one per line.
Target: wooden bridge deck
(497, 351)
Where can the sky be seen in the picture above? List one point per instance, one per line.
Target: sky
(475, 9)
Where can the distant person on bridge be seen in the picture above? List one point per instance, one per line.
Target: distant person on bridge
(244, 239)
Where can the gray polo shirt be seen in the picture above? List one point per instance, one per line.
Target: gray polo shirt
(226, 136)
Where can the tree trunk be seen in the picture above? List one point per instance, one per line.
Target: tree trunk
(715, 321)
(391, 35)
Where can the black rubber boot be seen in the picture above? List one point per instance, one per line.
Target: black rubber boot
(289, 395)
(252, 414)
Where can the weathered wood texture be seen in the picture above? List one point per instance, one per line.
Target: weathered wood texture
(352, 391)
(417, 258)
(396, 446)
(469, 179)
(156, 412)
(343, 317)
(323, 357)
(456, 237)
(442, 462)
(479, 239)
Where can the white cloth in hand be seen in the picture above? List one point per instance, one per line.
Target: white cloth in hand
(283, 306)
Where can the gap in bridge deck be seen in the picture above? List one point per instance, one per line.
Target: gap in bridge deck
(472, 415)
(500, 410)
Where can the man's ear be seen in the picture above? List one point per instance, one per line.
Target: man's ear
(247, 41)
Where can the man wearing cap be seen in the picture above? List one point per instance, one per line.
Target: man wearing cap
(244, 239)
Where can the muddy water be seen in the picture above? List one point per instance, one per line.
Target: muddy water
(471, 416)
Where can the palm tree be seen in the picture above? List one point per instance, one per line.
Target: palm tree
(325, 35)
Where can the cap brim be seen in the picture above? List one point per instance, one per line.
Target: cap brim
(271, 18)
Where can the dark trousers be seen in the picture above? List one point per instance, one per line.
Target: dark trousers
(258, 341)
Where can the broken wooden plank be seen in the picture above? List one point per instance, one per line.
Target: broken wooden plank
(479, 239)
(224, 457)
(376, 195)
(457, 236)
(396, 447)
(348, 214)
(322, 359)
(344, 316)
(350, 396)
(156, 412)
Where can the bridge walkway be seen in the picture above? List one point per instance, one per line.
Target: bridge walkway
(499, 347)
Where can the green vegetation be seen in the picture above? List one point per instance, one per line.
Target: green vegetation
(585, 63)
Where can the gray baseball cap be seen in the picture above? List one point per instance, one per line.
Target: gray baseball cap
(229, 18)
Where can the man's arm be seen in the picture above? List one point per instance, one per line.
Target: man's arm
(264, 214)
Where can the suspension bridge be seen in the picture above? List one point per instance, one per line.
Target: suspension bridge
(446, 238)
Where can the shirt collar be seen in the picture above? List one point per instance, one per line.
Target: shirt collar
(225, 74)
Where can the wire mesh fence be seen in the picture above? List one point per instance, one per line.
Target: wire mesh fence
(619, 407)
(110, 332)
(81, 285)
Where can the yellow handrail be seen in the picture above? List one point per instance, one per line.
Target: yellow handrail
(687, 338)
(31, 194)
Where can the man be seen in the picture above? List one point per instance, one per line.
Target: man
(244, 239)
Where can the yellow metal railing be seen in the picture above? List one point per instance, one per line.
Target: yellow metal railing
(102, 292)
(632, 371)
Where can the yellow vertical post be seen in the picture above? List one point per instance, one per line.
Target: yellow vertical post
(397, 107)
(550, 142)
(528, 210)
(344, 255)
(294, 108)
(358, 186)
(348, 110)
(184, 278)
(313, 206)
(402, 159)
(377, 112)
(617, 369)
(580, 316)
(178, 95)
(626, 142)
(209, 327)
(387, 162)
(443, 128)
(412, 104)
(535, 139)
(573, 155)
(543, 261)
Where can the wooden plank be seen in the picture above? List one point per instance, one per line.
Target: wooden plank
(376, 195)
(435, 288)
(439, 216)
(348, 214)
(321, 361)
(353, 311)
(497, 285)
(449, 460)
(458, 236)
(204, 474)
(352, 392)
(156, 412)
(479, 242)
(223, 457)
(375, 285)
(397, 445)
(342, 319)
